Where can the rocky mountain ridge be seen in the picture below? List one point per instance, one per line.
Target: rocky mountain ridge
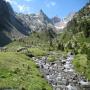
(36, 22)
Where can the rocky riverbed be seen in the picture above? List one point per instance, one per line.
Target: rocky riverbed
(61, 74)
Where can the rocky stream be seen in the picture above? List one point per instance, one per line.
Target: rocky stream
(61, 74)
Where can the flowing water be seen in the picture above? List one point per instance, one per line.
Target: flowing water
(61, 74)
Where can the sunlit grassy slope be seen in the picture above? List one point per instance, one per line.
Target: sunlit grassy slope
(36, 39)
(19, 72)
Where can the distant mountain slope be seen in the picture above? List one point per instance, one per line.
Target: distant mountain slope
(36, 22)
(55, 19)
(10, 26)
(60, 24)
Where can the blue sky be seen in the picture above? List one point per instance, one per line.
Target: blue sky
(51, 8)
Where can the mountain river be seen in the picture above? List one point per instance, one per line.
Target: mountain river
(61, 74)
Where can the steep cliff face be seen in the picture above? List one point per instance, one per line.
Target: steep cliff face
(10, 27)
(55, 19)
(36, 22)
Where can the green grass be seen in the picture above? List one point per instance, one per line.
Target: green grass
(18, 71)
(37, 51)
(36, 39)
(51, 58)
(82, 65)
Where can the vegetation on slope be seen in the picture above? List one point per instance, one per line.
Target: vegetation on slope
(36, 39)
(76, 38)
(17, 71)
(81, 21)
(82, 64)
(20, 71)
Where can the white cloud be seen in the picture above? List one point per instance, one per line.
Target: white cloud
(23, 8)
(28, 0)
(8, 1)
(53, 3)
(50, 4)
(11, 1)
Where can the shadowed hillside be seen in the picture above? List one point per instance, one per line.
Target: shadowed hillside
(10, 26)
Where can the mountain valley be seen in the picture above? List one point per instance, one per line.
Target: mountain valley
(41, 53)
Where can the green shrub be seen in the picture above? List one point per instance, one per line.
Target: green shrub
(51, 58)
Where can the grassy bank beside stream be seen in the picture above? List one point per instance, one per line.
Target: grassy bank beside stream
(17, 71)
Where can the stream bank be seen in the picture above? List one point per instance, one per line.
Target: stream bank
(61, 74)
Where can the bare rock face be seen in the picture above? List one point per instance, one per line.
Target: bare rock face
(10, 27)
(36, 22)
(55, 19)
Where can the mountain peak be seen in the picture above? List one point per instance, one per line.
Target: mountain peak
(41, 13)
